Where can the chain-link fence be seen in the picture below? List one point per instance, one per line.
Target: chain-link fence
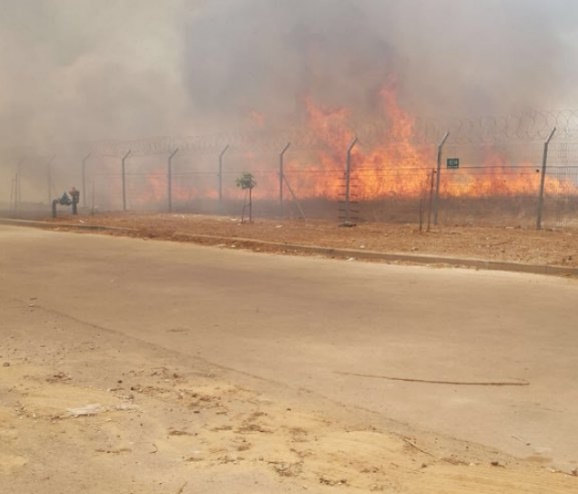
(500, 185)
(486, 182)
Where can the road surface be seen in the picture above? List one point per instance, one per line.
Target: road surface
(327, 326)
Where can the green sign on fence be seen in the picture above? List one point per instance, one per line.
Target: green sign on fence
(453, 163)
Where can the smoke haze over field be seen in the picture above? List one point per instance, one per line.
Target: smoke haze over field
(79, 69)
(462, 56)
(75, 70)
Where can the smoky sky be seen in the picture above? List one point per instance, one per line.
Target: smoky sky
(270, 56)
(84, 69)
(87, 70)
(458, 56)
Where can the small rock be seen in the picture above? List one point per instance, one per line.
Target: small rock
(6, 364)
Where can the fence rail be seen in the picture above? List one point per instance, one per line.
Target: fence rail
(498, 180)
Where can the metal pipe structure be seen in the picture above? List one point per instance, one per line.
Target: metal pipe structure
(282, 175)
(221, 156)
(83, 191)
(438, 175)
(124, 158)
(170, 179)
(348, 183)
(543, 180)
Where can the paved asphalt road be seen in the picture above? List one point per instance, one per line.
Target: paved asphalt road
(311, 323)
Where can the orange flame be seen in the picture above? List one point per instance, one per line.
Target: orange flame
(392, 166)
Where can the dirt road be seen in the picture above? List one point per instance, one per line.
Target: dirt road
(216, 370)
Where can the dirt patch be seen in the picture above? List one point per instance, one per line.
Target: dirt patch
(529, 246)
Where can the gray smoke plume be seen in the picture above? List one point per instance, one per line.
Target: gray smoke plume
(76, 70)
(456, 56)
(79, 69)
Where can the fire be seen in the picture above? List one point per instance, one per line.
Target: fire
(391, 165)
(396, 167)
(495, 178)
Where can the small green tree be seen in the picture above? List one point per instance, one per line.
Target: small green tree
(247, 183)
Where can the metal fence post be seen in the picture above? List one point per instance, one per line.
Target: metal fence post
(221, 156)
(49, 178)
(431, 189)
(18, 188)
(543, 180)
(13, 200)
(84, 193)
(282, 176)
(348, 183)
(439, 169)
(124, 158)
(170, 180)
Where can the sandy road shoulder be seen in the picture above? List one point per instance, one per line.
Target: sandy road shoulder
(92, 411)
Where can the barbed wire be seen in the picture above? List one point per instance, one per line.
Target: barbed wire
(529, 126)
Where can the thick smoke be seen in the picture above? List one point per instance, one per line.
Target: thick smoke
(83, 70)
(458, 56)
(77, 70)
